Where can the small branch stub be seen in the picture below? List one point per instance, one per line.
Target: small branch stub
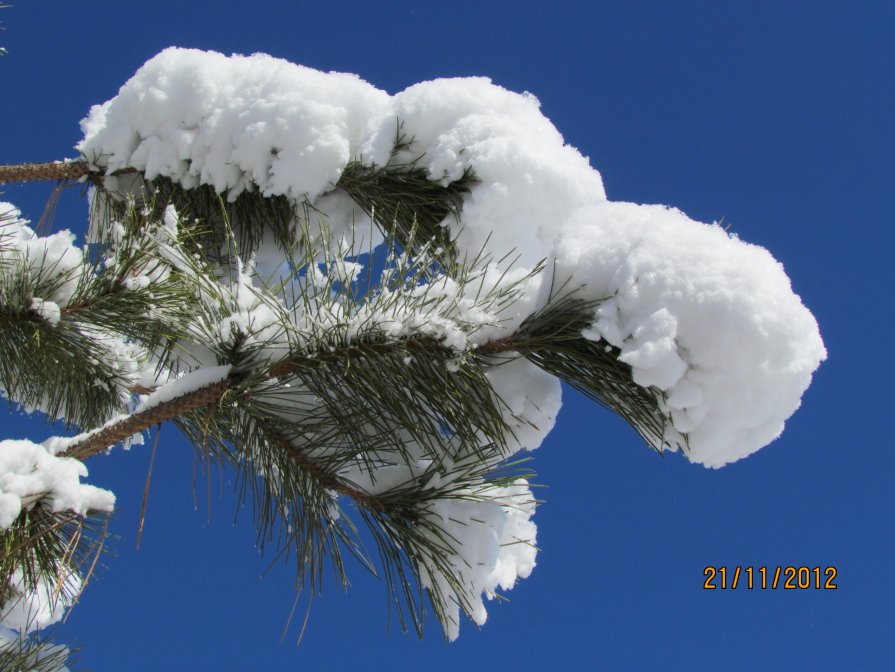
(35, 172)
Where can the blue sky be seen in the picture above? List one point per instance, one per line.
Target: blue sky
(775, 116)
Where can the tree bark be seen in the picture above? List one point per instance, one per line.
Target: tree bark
(35, 172)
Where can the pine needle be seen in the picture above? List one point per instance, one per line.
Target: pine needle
(158, 433)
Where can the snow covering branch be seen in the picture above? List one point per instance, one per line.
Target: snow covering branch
(236, 286)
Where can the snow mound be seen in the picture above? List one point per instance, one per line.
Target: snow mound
(235, 123)
(54, 255)
(708, 320)
(529, 179)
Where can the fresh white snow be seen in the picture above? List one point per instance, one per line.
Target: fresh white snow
(240, 122)
(30, 472)
(56, 255)
(36, 609)
(183, 385)
(706, 321)
(491, 544)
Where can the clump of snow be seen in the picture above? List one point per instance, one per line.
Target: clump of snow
(492, 544)
(531, 398)
(29, 610)
(240, 122)
(158, 240)
(248, 310)
(257, 122)
(47, 309)
(529, 179)
(29, 473)
(54, 257)
(339, 218)
(705, 318)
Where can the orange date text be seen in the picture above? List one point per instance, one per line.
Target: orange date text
(788, 577)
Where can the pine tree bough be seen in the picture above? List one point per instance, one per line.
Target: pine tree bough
(365, 304)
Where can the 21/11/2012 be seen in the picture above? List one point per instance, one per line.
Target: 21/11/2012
(793, 578)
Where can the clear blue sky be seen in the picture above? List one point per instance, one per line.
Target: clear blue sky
(776, 116)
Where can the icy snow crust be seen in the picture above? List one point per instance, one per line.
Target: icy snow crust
(707, 322)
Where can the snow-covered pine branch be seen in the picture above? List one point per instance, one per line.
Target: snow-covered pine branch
(365, 304)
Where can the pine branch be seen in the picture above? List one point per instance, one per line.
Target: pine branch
(335, 413)
(210, 219)
(35, 172)
(40, 543)
(607, 382)
(95, 442)
(400, 199)
(57, 369)
(327, 480)
(70, 169)
(52, 554)
(67, 364)
(98, 441)
(552, 340)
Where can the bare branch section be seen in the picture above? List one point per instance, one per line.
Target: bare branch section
(35, 172)
(119, 431)
(326, 479)
(52, 170)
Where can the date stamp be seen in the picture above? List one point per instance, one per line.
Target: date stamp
(790, 577)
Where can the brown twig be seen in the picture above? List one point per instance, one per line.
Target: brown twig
(201, 398)
(499, 346)
(326, 479)
(52, 170)
(98, 441)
